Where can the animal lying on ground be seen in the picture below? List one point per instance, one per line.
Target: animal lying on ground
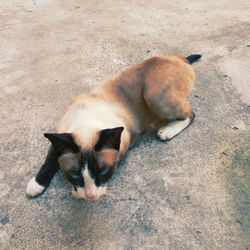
(98, 128)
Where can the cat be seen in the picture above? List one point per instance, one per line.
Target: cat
(98, 128)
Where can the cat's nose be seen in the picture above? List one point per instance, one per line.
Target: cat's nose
(91, 197)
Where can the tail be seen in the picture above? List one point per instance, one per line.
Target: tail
(193, 58)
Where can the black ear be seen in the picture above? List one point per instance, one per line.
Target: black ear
(109, 138)
(62, 142)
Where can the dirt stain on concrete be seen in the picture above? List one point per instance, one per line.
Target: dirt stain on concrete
(239, 182)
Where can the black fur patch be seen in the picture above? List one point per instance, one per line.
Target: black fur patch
(48, 169)
(62, 142)
(109, 138)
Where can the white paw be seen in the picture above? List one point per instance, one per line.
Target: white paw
(165, 134)
(172, 129)
(33, 188)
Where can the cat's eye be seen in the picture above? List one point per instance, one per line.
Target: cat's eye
(103, 172)
(76, 176)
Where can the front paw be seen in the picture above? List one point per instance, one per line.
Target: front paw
(33, 188)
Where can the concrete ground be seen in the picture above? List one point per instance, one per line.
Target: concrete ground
(189, 193)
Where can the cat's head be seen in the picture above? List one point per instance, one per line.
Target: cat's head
(88, 170)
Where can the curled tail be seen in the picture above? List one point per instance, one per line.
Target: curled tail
(193, 58)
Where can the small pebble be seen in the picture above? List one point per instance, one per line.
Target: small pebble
(238, 221)
(239, 125)
(5, 220)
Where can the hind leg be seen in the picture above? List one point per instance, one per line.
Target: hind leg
(176, 111)
(173, 128)
(165, 93)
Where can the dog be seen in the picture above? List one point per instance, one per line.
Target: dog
(98, 128)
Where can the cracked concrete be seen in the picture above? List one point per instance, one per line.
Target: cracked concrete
(189, 193)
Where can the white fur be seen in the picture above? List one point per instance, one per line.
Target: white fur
(97, 114)
(33, 188)
(87, 119)
(90, 191)
(172, 129)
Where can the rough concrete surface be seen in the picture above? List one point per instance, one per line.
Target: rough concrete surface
(189, 193)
